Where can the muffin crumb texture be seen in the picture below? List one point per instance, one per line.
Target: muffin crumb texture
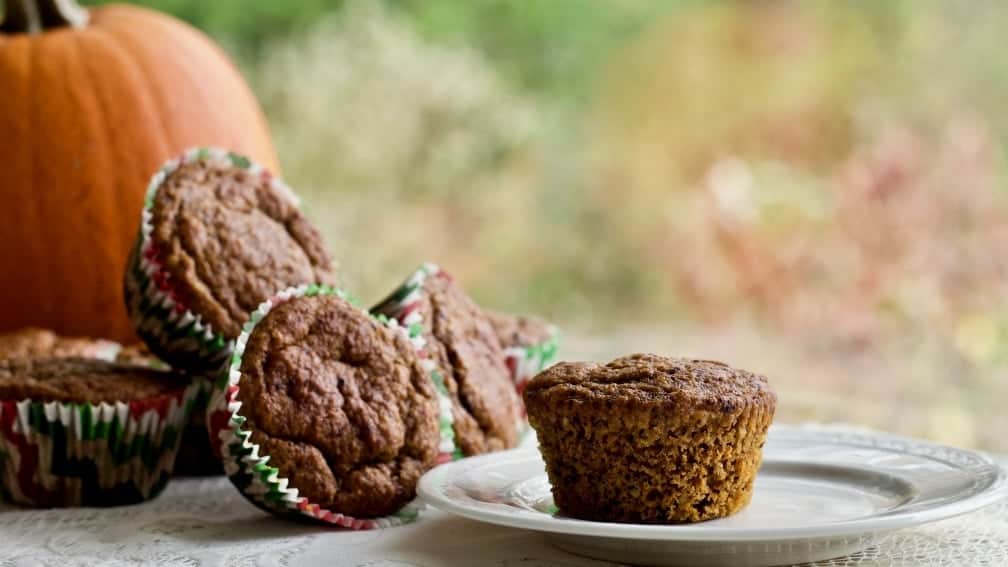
(464, 343)
(650, 439)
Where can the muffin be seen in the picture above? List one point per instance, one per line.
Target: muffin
(462, 342)
(650, 439)
(218, 236)
(86, 432)
(326, 413)
(195, 455)
(529, 345)
(35, 342)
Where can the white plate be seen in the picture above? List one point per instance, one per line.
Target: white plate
(820, 494)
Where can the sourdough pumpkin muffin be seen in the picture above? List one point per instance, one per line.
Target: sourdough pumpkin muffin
(218, 236)
(86, 432)
(650, 439)
(332, 401)
(464, 345)
(35, 342)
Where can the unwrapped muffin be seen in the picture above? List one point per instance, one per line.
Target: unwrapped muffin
(650, 439)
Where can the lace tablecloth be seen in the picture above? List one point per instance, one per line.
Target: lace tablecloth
(199, 522)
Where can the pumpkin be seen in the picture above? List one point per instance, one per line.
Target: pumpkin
(93, 102)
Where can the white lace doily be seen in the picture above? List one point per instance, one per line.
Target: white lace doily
(207, 523)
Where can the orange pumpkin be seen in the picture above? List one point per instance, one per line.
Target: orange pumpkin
(91, 103)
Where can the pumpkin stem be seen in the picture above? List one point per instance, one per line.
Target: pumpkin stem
(36, 16)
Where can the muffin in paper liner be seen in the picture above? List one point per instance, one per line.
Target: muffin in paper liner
(55, 454)
(523, 360)
(402, 308)
(264, 485)
(160, 316)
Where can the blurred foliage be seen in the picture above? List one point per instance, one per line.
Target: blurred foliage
(831, 173)
(551, 46)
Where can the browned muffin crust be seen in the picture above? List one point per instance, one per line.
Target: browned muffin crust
(35, 342)
(649, 378)
(230, 241)
(464, 344)
(83, 380)
(519, 330)
(341, 405)
(650, 439)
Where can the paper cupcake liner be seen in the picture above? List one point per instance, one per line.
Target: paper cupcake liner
(158, 312)
(70, 454)
(250, 471)
(525, 361)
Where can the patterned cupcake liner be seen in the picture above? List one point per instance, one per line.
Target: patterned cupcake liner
(249, 470)
(523, 361)
(82, 454)
(158, 312)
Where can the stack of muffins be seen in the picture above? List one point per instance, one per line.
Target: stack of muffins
(313, 406)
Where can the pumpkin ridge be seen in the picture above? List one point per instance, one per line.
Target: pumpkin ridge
(100, 38)
(107, 203)
(145, 82)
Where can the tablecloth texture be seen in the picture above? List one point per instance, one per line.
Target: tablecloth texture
(205, 522)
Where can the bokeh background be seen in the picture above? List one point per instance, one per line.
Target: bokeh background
(814, 190)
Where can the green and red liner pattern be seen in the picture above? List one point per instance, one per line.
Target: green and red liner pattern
(158, 311)
(525, 361)
(249, 470)
(55, 454)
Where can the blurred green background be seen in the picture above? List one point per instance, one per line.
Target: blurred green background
(815, 190)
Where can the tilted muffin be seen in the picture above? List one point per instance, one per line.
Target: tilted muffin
(462, 342)
(650, 439)
(326, 412)
(35, 342)
(218, 236)
(86, 432)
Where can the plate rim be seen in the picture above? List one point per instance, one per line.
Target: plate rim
(429, 490)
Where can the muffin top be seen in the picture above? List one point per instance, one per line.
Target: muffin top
(230, 239)
(341, 404)
(519, 330)
(81, 380)
(648, 379)
(35, 342)
(465, 345)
